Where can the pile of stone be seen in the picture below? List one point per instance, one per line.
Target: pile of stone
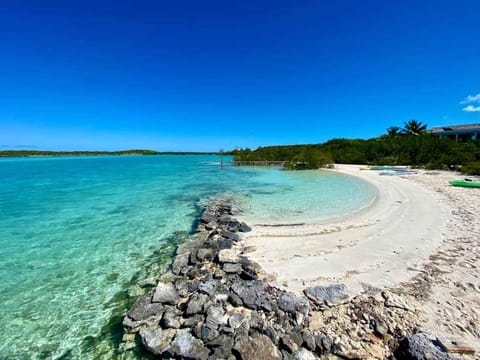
(214, 304)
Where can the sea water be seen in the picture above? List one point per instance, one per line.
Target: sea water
(77, 234)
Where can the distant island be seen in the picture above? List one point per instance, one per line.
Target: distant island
(27, 153)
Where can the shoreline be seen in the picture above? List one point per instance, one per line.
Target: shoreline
(364, 250)
(438, 277)
(219, 302)
(215, 303)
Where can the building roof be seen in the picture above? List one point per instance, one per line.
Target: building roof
(454, 128)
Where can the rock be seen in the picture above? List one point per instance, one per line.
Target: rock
(165, 293)
(291, 303)
(147, 282)
(171, 320)
(156, 340)
(215, 317)
(235, 320)
(324, 343)
(332, 295)
(182, 287)
(309, 340)
(421, 346)
(380, 327)
(288, 343)
(222, 347)
(193, 320)
(244, 227)
(264, 302)
(247, 294)
(248, 274)
(207, 218)
(230, 235)
(219, 274)
(186, 346)
(228, 256)
(196, 304)
(204, 254)
(143, 308)
(258, 347)
(208, 287)
(207, 333)
(304, 354)
(180, 264)
(395, 301)
(224, 244)
(212, 225)
(230, 268)
(235, 299)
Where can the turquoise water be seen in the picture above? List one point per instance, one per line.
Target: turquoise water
(77, 233)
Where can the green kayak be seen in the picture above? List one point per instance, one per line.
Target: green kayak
(465, 183)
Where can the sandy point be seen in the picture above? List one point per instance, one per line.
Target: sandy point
(381, 246)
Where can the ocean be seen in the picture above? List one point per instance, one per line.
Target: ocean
(77, 234)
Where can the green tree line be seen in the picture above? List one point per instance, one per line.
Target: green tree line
(410, 145)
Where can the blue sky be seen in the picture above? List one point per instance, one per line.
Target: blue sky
(205, 75)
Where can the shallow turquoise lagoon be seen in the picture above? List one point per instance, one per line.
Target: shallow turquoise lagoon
(76, 235)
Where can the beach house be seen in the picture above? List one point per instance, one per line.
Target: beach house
(459, 133)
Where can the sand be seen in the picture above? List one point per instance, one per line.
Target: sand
(419, 237)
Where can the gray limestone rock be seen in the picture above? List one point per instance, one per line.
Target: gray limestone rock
(193, 320)
(215, 317)
(165, 293)
(196, 304)
(332, 295)
(303, 354)
(228, 256)
(258, 347)
(224, 244)
(204, 254)
(143, 308)
(185, 345)
(309, 340)
(171, 320)
(291, 303)
(247, 294)
(323, 342)
(156, 340)
(288, 343)
(244, 227)
(421, 346)
(180, 264)
(230, 268)
(207, 333)
(230, 235)
(208, 287)
(235, 320)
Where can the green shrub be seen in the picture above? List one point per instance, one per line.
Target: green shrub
(472, 168)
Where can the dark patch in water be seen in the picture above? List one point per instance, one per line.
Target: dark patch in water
(112, 332)
(113, 277)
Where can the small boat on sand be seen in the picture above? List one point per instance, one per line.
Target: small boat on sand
(398, 172)
(465, 183)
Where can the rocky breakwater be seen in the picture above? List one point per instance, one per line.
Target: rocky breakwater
(217, 304)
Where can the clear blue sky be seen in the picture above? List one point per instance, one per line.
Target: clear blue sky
(205, 75)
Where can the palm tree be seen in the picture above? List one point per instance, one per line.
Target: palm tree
(393, 131)
(414, 127)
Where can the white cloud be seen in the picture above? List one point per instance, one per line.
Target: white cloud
(471, 108)
(470, 99)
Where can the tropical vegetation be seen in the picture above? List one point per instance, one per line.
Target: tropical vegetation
(411, 145)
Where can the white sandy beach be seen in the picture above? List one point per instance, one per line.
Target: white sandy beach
(381, 246)
(420, 235)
